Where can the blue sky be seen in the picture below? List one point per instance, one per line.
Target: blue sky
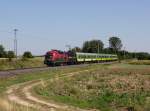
(51, 24)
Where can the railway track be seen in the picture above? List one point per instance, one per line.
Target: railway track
(12, 72)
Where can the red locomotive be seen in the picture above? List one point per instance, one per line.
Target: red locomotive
(56, 57)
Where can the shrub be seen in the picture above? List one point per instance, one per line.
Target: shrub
(2, 51)
(27, 54)
(10, 55)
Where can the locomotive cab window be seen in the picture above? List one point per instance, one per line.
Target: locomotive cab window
(48, 56)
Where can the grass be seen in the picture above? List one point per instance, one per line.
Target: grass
(6, 82)
(58, 71)
(140, 62)
(9, 106)
(109, 88)
(16, 64)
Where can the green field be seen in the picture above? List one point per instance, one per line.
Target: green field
(6, 82)
(5, 64)
(140, 62)
(112, 87)
(107, 88)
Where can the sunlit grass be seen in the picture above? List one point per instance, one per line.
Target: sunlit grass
(9, 106)
(116, 86)
(107, 88)
(5, 82)
(140, 62)
(21, 63)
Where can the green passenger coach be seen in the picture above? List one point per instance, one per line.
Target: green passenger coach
(94, 57)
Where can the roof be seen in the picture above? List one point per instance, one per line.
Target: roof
(81, 53)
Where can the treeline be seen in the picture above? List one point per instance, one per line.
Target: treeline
(11, 54)
(92, 46)
(6, 54)
(115, 47)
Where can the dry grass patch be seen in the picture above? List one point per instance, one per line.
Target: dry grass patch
(10, 106)
(5, 64)
(140, 62)
(106, 89)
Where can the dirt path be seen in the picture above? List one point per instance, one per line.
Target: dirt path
(21, 94)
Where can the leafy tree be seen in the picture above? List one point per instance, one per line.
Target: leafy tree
(27, 54)
(10, 55)
(124, 54)
(108, 50)
(115, 43)
(2, 51)
(93, 46)
(86, 46)
(143, 56)
(76, 49)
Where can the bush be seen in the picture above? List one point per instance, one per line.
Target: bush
(10, 55)
(143, 56)
(2, 52)
(27, 54)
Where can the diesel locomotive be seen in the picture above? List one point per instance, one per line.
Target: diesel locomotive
(56, 57)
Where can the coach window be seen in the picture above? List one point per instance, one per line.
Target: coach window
(82, 56)
(79, 56)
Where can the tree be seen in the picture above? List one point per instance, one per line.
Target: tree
(93, 46)
(86, 46)
(27, 54)
(2, 51)
(10, 55)
(107, 50)
(115, 43)
(143, 56)
(76, 49)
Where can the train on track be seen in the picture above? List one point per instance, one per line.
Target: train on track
(56, 57)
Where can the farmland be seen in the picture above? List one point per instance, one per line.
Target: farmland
(114, 87)
(8, 82)
(104, 87)
(140, 62)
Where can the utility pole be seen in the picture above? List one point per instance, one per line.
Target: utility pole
(15, 42)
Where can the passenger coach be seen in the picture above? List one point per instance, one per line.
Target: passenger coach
(94, 57)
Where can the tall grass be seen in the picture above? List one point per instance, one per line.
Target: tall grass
(43, 75)
(105, 89)
(9, 106)
(21, 63)
(140, 62)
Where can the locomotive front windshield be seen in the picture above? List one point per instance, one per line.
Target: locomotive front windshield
(48, 56)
